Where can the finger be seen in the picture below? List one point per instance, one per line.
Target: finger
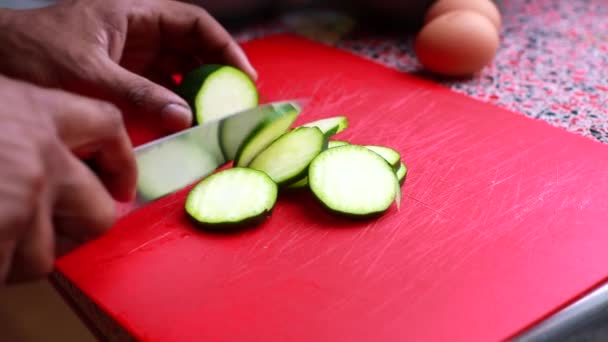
(162, 79)
(97, 129)
(83, 209)
(64, 245)
(175, 62)
(141, 96)
(186, 26)
(7, 248)
(168, 65)
(35, 253)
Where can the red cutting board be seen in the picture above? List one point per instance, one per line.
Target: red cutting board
(503, 221)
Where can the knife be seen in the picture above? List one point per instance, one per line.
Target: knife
(173, 162)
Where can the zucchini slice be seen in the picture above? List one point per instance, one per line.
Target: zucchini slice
(390, 155)
(354, 181)
(216, 90)
(273, 126)
(287, 158)
(303, 182)
(401, 172)
(336, 143)
(231, 198)
(233, 131)
(329, 126)
(179, 170)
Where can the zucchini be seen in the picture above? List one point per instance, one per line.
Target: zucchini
(390, 155)
(329, 126)
(287, 158)
(401, 172)
(232, 198)
(178, 171)
(267, 131)
(336, 143)
(233, 131)
(354, 181)
(302, 183)
(215, 90)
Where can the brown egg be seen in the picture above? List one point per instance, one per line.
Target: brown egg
(485, 7)
(457, 43)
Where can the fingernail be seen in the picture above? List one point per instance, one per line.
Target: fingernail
(176, 117)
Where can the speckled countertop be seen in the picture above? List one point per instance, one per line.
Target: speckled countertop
(552, 63)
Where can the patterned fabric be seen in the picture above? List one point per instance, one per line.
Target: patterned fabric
(552, 64)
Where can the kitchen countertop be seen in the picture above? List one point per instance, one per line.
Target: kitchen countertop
(552, 63)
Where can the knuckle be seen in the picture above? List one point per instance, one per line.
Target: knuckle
(33, 183)
(112, 117)
(88, 66)
(35, 179)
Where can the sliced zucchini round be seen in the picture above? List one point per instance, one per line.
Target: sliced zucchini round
(329, 126)
(179, 170)
(401, 172)
(215, 90)
(353, 180)
(287, 158)
(272, 127)
(234, 130)
(231, 198)
(390, 155)
(336, 143)
(301, 183)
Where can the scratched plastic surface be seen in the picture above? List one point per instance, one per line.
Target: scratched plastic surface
(502, 222)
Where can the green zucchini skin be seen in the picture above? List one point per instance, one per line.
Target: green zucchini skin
(346, 215)
(195, 82)
(233, 131)
(336, 143)
(401, 173)
(232, 227)
(330, 126)
(192, 82)
(243, 155)
(392, 156)
(281, 149)
(222, 184)
(299, 183)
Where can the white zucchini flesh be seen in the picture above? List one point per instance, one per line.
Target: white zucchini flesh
(231, 197)
(288, 157)
(353, 180)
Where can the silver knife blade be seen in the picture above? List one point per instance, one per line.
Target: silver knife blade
(173, 162)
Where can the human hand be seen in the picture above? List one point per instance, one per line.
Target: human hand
(49, 199)
(117, 50)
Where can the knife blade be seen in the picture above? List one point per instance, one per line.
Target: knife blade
(173, 162)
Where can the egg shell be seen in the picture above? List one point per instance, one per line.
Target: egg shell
(458, 43)
(485, 7)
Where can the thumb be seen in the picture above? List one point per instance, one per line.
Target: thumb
(140, 96)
